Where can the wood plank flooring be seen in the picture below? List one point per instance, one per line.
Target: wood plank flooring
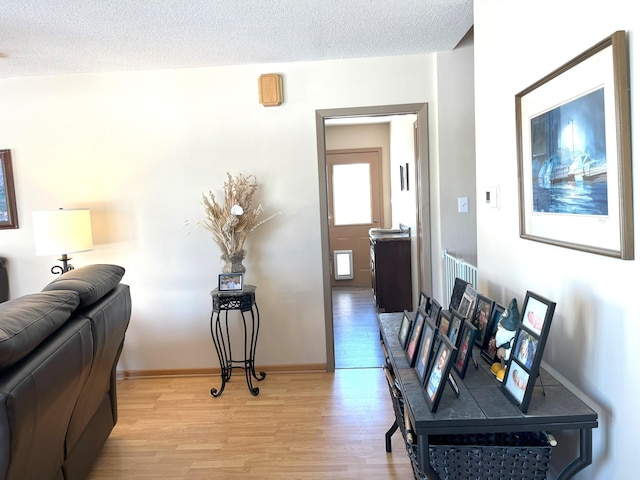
(302, 426)
(356, 336)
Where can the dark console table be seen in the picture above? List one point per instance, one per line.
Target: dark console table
(244, 301)
(482, 407)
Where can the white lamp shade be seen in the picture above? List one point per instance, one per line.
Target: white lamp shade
(58, 232)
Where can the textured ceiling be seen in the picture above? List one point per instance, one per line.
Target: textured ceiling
(40, 37)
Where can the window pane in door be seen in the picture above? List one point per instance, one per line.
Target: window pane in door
(351, 194)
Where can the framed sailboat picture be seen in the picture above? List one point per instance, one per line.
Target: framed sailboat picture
(574, 153)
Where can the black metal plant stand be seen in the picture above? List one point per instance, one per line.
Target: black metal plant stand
(244, 301)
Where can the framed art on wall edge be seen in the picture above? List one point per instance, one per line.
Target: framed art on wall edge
(8, 210)
(574, 153)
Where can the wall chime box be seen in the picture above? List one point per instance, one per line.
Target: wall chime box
(270, 89)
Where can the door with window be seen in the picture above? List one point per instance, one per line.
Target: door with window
(355, 206)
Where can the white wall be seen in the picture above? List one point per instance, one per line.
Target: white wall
(453, 175)
(593, 339)
(138, 148)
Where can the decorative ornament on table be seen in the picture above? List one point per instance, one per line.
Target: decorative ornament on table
(232, 221)
(504, 338)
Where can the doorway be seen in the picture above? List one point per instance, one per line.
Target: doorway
(355, 205)
(422, 249)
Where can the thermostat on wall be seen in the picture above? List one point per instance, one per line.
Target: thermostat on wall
(491, 197)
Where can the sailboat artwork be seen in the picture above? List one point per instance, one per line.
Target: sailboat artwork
(569, 158)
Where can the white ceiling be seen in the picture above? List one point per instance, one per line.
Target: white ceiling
(41, 37)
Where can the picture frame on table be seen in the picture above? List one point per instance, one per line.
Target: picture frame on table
(531, 335)
(413, 342)
(468, 302)
(574, 153)
(455, 327)
(444, 321)
(405, 327)
(427, 341)
(438, 372)
(457, 291)
(423, 301)
(488, 349)
(230, 282)
(481, 317)
(465, 350)
(8, 208)
(434, 312)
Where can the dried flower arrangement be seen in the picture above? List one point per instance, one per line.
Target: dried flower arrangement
(232, 221)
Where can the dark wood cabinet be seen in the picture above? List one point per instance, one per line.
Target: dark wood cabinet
(391, 272)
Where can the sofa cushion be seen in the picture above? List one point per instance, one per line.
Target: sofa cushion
(91, 282)
(28, 320)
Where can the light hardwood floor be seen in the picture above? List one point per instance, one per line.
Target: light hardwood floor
(302, 426)
(355, 328)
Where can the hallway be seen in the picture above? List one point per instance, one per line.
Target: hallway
(355, 328)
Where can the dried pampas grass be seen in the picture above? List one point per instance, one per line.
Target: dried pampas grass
(231, 221)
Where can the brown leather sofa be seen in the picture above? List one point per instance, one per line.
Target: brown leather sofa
(58, 354)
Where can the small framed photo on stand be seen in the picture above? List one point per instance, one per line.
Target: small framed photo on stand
(429, 332)
(438, 375)
(524, 362)
(488, 349)
(467, 340)
(230, 282)
(405, 328)
(413, 343)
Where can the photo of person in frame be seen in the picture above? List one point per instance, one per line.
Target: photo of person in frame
(455, 328)
(534, 314)
(483, 311)
(526, 347)
(464, 348)
(517, 381)
(437, 372)
(425, 349)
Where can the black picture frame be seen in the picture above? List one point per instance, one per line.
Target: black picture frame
(413, 342)
(459, 287)
(230, 282)
(488, 349)
(434, 312)
(481, 317)
(465, 349)
(467, 302)
(438, 375)
(429, 333)
(405, 328)
(424, 301)
(455, 327)
(8, 208)
(444, 320)
(535, 323)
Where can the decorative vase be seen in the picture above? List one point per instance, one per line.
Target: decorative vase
(233, 262)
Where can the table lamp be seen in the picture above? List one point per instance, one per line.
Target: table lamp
(62, 232)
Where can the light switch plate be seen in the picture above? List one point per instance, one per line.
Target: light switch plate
(463, 204)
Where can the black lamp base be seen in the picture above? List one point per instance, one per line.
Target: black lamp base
(66, 266)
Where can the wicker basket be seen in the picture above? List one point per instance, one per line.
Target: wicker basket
(492, 456)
